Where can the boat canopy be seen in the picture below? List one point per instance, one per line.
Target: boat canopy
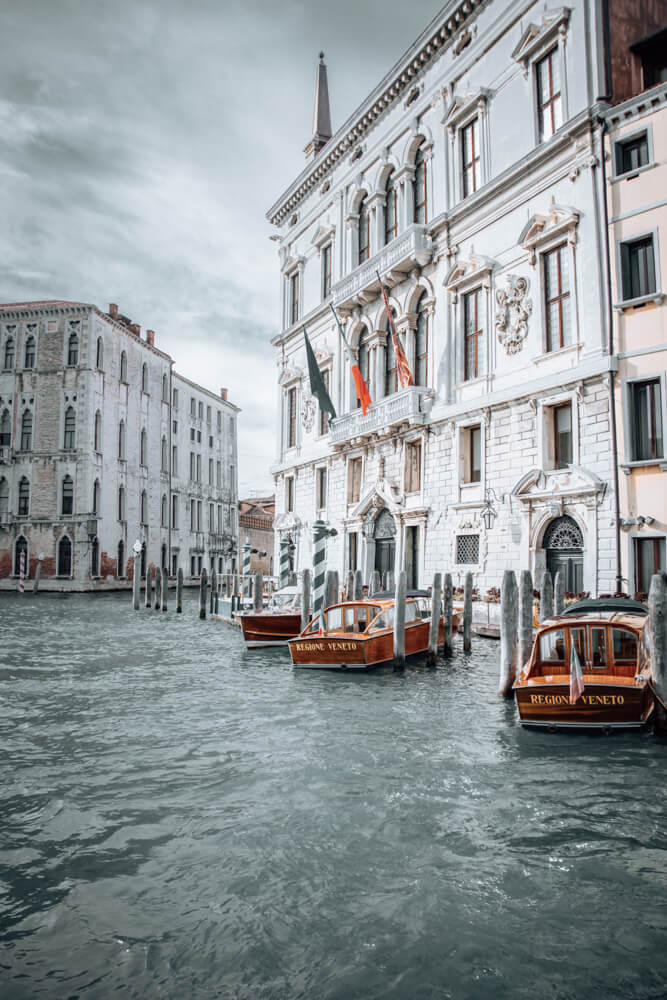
(622, 605)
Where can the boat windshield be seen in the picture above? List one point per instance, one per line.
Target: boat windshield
(346, 618)
(599, 647)
(286, 601)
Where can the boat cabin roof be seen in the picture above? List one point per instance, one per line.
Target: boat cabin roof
(389, 595)
(622, 605)
(630, 620)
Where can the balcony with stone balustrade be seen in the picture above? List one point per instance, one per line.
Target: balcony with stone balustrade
(413, 248)
(408, 407)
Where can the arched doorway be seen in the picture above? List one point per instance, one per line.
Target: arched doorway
(21, 547)
(384, 535)
(64, 556)
(564, 547)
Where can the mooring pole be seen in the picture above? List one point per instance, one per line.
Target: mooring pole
(38, 573)
(258, 592)
(319, 564)
(448, 606)
(158, 587)
(657, 626)
(247, 555)
(330, 588)
(214, 586)
(305, 598)
(284, 561)
(136, 581)
(358, 585)
(467, 613)
(525, 618)
(559, 593)
(390, 580)
(509, 616)
(434, 630)
(349, 587)
(375, 583)
(546, 597)
(202, 593)
(149, 587)
(179, 591)
(165, 588)
(399, 621)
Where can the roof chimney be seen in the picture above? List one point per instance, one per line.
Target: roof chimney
(135, 328)
(113, 310)
(223, 395)
(150, 337)
(321, 112)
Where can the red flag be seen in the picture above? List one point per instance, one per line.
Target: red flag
(363, 395)
(402, 366)
(576, 676)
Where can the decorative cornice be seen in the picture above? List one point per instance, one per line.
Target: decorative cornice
(437, 36)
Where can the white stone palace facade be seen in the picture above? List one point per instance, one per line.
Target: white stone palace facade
(103, 444)
(470, 181)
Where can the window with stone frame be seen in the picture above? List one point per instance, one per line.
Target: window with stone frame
(121, 440)
(174, 460)
(29, 358)
(473, 333)
(471, 160)
(291, 417)
(73, 350)
(420, 186)
(289, 493)
(326, 270)
(26, 431)
(420, 352)
(67, 505)
(144, 507)
(467, 550)
(413, 462)
(24, 497)
(121, 503)
(364, 232)
(352, 553)
(321, 487)
(4, 496)
(548, 93)
(144, 377)
(561, 416)
(201, 410)
(174, 511)
(638, 270)
(143, 448)
(64, 556)
(557, 297)
(9, 353)
(164, 455)
(646, 420)
(210, 472)
(390, 210)
(97, 432)
(354, 473)
(472, 453)
(193, 515)
(96, 497)
(631, 154)
(199, 468)
(5, 429)
(164, 511)
(294, 297)
(649, 559)
(123, 366)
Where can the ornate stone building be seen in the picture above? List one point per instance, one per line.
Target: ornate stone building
(469, 181)
(96, 431)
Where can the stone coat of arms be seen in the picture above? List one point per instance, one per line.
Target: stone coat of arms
(514, 310)
(308, 413)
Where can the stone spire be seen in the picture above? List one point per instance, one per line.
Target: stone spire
(321, 112)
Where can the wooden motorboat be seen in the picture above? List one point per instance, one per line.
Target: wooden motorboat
(274, 624)
(359, 635)
(589, 668)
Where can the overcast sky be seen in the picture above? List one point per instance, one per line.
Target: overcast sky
(141, 144)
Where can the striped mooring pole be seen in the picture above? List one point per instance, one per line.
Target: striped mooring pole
(246, 567)
(284, 561)
(21, 572)
(320, 533)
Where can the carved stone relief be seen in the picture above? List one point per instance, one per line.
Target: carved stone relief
(514, 310)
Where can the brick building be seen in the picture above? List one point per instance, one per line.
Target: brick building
(91, 426)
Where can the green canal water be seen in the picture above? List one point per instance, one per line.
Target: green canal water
(180, 818)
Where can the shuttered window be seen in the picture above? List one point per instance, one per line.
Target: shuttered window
(413, 457)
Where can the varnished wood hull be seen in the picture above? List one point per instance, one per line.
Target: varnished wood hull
(341, 651)
(269, 628)
(601, 706)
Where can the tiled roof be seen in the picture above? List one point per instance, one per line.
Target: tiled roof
(40, 305)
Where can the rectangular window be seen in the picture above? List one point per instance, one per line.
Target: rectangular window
(467, 549)
(174, 460)
(471, 176)
(638, 268)
(174, 511)
(549, 101)
(324, 414)
(199, 520)
(562, 417)
(193, 514)
(192, 433)
(326, 271)
(192, 465)
(193, 406)
(354, 467)
(557, 298)
(211, 517)
(219, 421)
(649, 559)
(473, 328)
(472, 454)
(210, 472)
(413, 461)
(631, 154)
(289, 493)
(321, 487)
(174, 426)
(646, 420)
(174, 398)
(199, 468)
(294, 297)
(208, 414)
(218, 474)
(291, 417)
(352, 543)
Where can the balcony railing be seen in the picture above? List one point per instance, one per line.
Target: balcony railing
(407, 406)
(413, 247)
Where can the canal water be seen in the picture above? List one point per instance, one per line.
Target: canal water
(179, 818)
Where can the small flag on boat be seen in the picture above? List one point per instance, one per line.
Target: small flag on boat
(402, 366)
(317, 386)
(576, 676)
(322, 626)
(363, 395)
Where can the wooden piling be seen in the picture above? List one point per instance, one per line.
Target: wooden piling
(331, 588)
(136, 583)
(258, 592)
(374, 584)
(546, 597)
(391, 585)
(436, 608)
(349, 587)
(509, 620)
(214, 587)
(399, 621)
(179, 591)
(158, 587)
(165, 587)
(149, 587)
(358, 585)
(38, 573)
(657, 626)
(525, 619)
(202, 593)
(305, 598)
(467, 613)
(448, 610)
(559, 593)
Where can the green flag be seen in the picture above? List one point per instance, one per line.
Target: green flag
(317, 386)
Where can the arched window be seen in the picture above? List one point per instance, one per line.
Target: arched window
(144, 377)
(421, 187)
(69, 441)
(29, 361)
(364, 230)
(120, 564)
(4, 496)
(390, 372)
(99, 358)
(165, 389)
(121, 503)
(165, 455)
(68, 495)
(65, 556)
(364, 360)
(24, 497)
(163, 511)
(143, 447)
(390, 211)
(73, 352)
(96, 497)
(144, 507)
(123, 367)
(98, 431)
(5, 429)
(21, 546)
(26, 431)
(9, 353)
(420, 360)
(95, 558)
(121, 439)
